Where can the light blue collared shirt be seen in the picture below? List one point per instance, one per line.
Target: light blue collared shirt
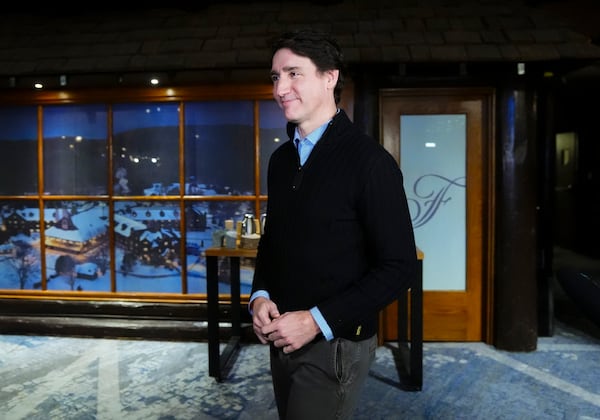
(305, 146)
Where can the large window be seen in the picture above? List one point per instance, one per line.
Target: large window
(121, 197)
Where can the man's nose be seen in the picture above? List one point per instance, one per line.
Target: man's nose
(282, 87)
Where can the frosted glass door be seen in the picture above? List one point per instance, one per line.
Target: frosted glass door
(433, 161)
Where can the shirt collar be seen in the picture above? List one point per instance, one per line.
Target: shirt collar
(314, 136)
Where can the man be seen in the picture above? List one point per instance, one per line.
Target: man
(338, 244)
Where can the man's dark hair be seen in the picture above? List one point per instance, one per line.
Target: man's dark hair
(322, 49)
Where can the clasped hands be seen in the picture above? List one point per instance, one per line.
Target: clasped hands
(288, 331)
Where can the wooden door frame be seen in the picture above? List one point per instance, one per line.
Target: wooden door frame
(482, 204)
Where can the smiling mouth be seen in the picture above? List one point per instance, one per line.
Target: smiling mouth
(286, 103)
(287, 99)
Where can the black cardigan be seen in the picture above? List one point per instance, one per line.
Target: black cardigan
(338, 233)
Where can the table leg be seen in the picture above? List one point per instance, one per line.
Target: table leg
(416, 329)
(212, 292)
(414, 342)
(218, 361)
(236, 329)
(403, 317)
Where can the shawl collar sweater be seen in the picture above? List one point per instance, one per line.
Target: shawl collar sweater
(338, 233)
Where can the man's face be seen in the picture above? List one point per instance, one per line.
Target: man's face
(304, 94)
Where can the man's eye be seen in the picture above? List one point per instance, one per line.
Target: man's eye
(274, 77)
(294, 74)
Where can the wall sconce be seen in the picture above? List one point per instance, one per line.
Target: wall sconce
(520, 69)
(38, 85)
(62, 80)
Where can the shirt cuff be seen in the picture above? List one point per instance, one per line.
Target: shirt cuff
(258, 293)
(325, 330)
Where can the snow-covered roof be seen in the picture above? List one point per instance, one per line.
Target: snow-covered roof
(124, 225)
(89, 224)
(156, 213)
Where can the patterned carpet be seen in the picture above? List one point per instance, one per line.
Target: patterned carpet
(81, 378)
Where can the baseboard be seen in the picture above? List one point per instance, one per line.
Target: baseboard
(180, 322)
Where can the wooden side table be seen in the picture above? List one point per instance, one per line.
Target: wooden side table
(217, 360)
(410, 346)
(415, 344)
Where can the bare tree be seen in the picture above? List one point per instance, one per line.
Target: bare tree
(24, 261)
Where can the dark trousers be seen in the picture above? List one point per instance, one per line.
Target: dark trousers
(322, 380)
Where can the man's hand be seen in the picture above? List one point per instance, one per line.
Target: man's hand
(263, 312)
(291, 331)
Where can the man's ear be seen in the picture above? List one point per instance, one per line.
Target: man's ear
(332, 76)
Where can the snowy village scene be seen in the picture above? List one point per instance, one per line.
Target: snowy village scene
(146, 253)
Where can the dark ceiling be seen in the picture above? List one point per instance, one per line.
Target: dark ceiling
(583, 14)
